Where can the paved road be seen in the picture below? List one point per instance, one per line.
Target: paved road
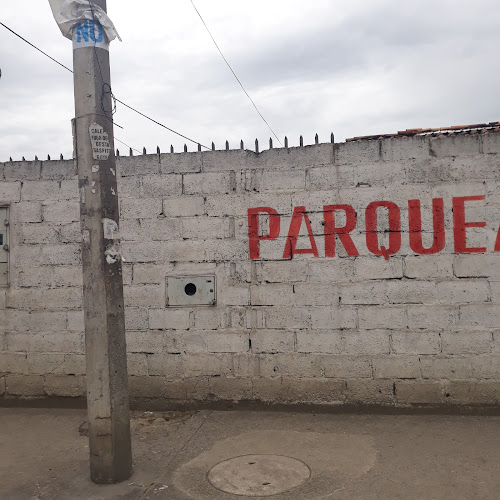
(44, 455)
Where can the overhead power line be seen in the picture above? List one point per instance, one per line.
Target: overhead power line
(117, 100)
(130, 147)
(35, 47)
(234, 74)
(104, 85)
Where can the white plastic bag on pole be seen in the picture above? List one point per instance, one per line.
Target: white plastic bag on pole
(68, 13)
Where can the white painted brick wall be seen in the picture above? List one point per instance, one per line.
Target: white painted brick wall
(26, 212)
(415, 342)
(159, 186)
(391, 318)
(10, 192)
(189, 206)
(413, 329)
(210, 183)
(399, 367)
(61, 211)
(40, 190)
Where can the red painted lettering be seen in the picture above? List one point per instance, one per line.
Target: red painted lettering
(415, 223)
(394, 228)
(460, 225)
(497, 242)
(343, 232)
(299, 213)
(253, 229)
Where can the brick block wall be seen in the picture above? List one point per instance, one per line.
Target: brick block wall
(389, 313)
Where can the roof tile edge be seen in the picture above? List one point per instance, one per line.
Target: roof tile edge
(433, 132)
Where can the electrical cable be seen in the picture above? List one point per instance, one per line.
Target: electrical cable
(161, 124)
(130, 147)
(104, 84)
(234, 74)
(117, 100)
(35, 47)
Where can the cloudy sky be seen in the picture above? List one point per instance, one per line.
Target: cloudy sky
(354, 67)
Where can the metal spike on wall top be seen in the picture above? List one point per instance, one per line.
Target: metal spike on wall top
(185, 148)
(117, 152)
(199, 147)
(257, 146)
(213, 146)
(301, 141)
(270, 143)
(143, 151)
(171, 148)
(286, 141)
(11, 158)
(332, 138)
(227, 145)
(48, 157)
(157, 150)
(61, 157)
(131, 152)
(316, 139)
(36, 158)
(23, 159)
(242, 146)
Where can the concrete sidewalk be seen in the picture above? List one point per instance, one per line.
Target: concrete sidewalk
(44, 455)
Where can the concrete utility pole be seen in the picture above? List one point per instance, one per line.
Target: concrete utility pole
(107, 391)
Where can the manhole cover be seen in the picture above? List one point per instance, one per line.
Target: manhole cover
(258, 475)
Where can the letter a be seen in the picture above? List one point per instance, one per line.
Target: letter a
(293, 234)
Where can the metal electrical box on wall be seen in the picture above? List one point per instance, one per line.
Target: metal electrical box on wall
(191, 291)
(4, 246)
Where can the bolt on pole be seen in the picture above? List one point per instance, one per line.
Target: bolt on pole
(105, 347)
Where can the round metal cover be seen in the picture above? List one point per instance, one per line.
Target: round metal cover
(258, 475)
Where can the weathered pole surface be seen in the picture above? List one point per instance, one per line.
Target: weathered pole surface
(105, 348)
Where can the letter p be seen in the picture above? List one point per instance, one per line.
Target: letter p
(253, 229)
